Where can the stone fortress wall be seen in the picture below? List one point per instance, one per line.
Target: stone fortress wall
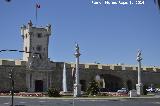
(45, 73)
(113, 77)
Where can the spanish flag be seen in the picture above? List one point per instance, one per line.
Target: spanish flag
(38, 5)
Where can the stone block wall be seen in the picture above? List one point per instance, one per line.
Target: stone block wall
(123, 75)
(19, 78)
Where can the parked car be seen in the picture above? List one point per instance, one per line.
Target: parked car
(123, 90)
(151, 89)
(157, 89)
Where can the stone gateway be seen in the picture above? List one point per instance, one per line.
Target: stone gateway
(36, 72)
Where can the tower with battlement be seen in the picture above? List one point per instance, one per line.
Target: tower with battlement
(35, 43)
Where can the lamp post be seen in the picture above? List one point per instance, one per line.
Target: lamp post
(11, 73)
(139, 86)
(11, 76)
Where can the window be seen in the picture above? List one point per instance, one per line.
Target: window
(39, 35)
(39, 48)
(26, 35)
(26, 49)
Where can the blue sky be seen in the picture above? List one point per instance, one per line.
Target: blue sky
(108, 34)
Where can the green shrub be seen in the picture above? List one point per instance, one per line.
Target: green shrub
(53, 92)
(93, 88)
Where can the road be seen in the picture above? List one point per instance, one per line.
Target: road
(5, 101)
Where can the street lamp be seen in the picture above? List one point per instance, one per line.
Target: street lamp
(11, 73)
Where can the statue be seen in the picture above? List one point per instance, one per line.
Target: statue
(30, 23)
(139, 58)
(77, 47)
(139, 86)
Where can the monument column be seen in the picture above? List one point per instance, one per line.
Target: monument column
(139, 86)
(77, 86)
(64, 79)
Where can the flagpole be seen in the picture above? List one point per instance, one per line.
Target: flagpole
(36, 14)
(37, 7)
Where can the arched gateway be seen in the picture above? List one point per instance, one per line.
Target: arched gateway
(112, 82)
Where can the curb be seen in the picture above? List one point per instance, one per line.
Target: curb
(82, 98)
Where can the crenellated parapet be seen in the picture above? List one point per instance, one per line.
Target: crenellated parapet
(104, 67)
(31, 29)
(12, 63)
(114, 67)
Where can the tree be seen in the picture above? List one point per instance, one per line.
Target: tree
(93, 88)
(53, 92)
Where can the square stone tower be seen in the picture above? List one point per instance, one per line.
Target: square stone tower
(35, 42)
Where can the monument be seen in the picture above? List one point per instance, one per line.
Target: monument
(139, 86)
(77, 86)
(64, 79)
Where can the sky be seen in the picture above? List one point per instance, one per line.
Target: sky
(106, 34)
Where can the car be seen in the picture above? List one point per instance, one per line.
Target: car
(151, 89)
(157, 89)
(123, 90)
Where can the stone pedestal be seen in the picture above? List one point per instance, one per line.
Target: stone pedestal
(77, 90)
(133, 93)
(139, 88)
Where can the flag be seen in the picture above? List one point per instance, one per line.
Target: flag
(38, 6)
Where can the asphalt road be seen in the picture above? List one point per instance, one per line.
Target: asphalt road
(5, 101)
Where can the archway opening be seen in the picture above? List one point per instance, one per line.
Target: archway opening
(38, 86)
(129, 84)
(112, 82)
